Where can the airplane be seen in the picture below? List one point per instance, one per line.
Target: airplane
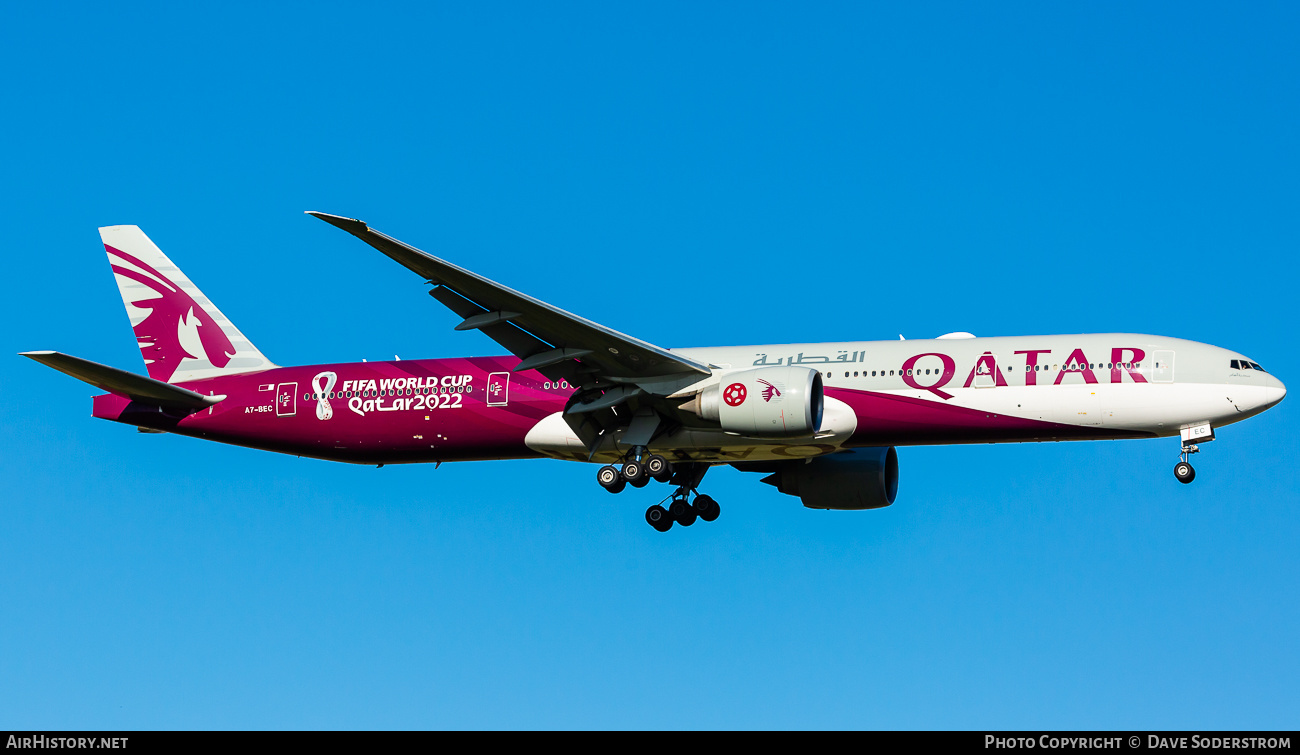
(822, 421)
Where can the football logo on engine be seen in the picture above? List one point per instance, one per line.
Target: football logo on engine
(735, 394)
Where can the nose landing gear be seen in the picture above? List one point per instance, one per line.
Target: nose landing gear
(1184, 470)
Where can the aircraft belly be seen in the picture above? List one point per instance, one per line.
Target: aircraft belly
(553, 437)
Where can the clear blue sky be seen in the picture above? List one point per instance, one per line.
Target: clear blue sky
(694, 175)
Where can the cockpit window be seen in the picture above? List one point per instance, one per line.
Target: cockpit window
(1242, 364)
(1255, 366)
(1236, 364)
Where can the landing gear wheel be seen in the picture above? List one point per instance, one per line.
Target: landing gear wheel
(610, 479)
(1184, 472)
(657, 516)
(659, 468)
(634, 472)
(707, 508)
(682, 512)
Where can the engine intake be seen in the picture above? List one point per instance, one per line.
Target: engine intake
(769, 401)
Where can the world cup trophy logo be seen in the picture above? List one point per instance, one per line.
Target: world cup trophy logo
(323, 384)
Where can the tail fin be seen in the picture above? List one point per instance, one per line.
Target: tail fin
(182, 335)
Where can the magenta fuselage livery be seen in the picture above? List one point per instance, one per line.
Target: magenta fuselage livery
(821, 420)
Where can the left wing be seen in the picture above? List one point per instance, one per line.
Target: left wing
(616, 374)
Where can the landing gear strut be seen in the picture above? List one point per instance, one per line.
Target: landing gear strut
(1184, 470)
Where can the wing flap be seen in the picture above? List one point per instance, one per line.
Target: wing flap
(128, 384)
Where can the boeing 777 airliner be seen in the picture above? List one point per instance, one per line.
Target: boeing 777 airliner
(821, 420)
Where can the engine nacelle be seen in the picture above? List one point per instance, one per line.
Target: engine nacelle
(768, 401)
(864, 478)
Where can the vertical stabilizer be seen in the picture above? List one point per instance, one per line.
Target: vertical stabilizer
(182, 335)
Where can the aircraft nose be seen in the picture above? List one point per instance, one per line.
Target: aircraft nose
(1274, 393)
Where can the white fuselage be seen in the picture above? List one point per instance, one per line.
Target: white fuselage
(982, 390)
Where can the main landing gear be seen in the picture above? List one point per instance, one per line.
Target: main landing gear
(1184, 470)
(642, 467)
(637, 471)
(682, 511)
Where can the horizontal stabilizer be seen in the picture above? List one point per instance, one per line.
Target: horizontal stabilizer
(135, 387)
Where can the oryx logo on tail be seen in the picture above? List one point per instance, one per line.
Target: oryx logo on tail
(176, 327)
(182, 336)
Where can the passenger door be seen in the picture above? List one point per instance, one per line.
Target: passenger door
(1162, 371)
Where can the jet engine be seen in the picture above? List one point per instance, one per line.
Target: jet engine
(768, 401)
(863, 478)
